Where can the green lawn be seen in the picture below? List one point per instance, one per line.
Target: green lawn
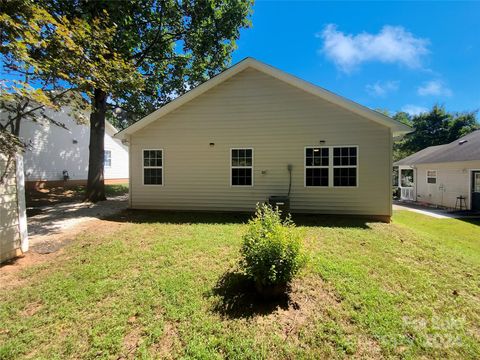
(166, 286)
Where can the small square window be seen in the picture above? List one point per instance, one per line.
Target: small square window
(431, 176)
(152, 176)
(316, 177)
(345, 177)
(241, 177)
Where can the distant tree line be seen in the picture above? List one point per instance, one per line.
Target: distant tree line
(436, 127)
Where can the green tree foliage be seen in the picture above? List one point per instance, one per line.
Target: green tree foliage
(174, 45)
(47, 63)
(436, 127)
(46, 66)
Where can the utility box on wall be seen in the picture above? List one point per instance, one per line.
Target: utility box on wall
(13, 218)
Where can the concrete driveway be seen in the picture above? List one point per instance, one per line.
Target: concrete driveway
(436, 213)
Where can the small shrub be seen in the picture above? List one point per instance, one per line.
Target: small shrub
(271, 251)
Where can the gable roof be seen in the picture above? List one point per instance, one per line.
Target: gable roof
(466, 148)
(397, 127)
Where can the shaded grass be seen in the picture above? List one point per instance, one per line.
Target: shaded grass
(169, 288)
(112, 190)
(55, 195)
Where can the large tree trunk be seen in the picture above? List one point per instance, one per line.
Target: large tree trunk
(96, 186)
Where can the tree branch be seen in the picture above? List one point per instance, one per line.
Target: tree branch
(21, 114)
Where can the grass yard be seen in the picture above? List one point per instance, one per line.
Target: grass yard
(166, 286)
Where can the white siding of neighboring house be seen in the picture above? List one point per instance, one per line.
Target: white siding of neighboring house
(53, 149)
(453, 180)
(119, 168)
(13, 220)
(278, 120)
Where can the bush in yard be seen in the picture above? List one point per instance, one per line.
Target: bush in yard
(271, 251)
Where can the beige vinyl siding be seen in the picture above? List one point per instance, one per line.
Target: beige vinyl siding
(453, 177)
(277, 120)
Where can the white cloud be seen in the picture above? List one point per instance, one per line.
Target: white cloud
(382, 88)
(414, 109)
(393, 44)
(434, 88)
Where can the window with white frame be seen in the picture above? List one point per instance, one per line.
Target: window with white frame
(241, 167)
(431, 176)
(107, 158)
(345, 166)
(317, 166)
(331, 166)
(153, 167)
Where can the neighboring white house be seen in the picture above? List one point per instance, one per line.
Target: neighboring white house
(253, 132)
(13, 218)
(53, 152)
(440, 175)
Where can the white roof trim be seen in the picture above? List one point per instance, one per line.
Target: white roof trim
(110, 129)
(397, 127)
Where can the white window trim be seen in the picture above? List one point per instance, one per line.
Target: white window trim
(241, 167)
(428, 177)
(345, 166)
(105, 166)
(331, 167)
(305, 167)
(153, 167)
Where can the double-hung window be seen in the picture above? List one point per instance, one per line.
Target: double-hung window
(241, 172)
(345, 166)
(327, 166)
(317, 166)
(153, 167)
(431, 176)
(107, 159)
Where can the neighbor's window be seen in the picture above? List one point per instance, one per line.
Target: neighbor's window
(316, 166)
(242, 167)
(153, 167)
(431, 176)
(345, 166)
(107, 159)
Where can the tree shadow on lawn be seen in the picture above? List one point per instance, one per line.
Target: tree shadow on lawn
(238, 298)
(203, 217)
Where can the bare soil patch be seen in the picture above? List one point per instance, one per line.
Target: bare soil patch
(53, 195)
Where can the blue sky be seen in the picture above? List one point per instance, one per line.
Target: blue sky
(387, 55)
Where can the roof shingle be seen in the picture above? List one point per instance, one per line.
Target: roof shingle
(464, 149)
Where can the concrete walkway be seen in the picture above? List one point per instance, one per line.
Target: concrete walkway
(436, 213)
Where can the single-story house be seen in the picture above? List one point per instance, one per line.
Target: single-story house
(444, 175)
(254, 131)
(54, 153)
